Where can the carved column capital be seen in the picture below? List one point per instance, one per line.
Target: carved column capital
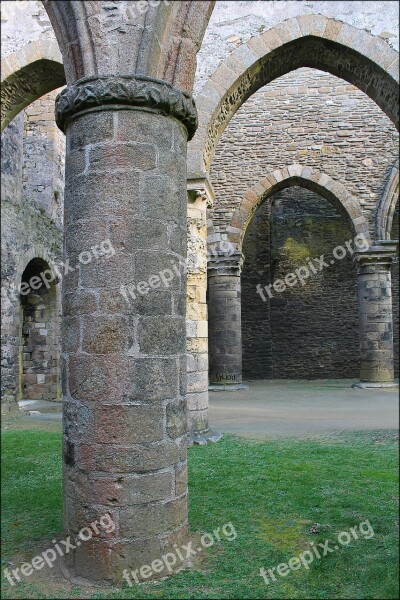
(200, 188)
(224, 263)
(376, 257)
(113, 92)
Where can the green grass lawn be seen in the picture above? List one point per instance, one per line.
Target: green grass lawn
(272, 492)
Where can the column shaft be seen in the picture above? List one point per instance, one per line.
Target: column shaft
(225, 334)
(124, 340)
(376, 323)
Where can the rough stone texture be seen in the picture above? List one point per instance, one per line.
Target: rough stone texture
(40, 340)
(395, 294)
(329, 45)
(91, 92)
(308, 331)
(386, 209)
(224, 314)
(125, 361)
(263, 132)
(44, 158)
(375, 307)
(23, 22)
(32, 205)
(196, 311)
(330, 125)
(234, 22)
(125, 370)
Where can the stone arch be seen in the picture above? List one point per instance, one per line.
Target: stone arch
(28, 74)
(39, 333)
(34, 251)
(41, 255)
(162, 44)
(303, 176)
(314, 41)
(387, 205)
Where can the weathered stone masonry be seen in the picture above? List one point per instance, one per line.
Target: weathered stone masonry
(125, 365)
(306, 331)
(224, 300)
(358, 151)
(32, 204)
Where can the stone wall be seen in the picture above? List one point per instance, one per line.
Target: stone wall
(32, 164)
(44, 159)
(395, 294)
(311, 118)
(234, 22)
(23, 22)
(307, 331)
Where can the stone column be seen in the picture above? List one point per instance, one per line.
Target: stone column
(124, 340)
(375, 309)
(224, 322)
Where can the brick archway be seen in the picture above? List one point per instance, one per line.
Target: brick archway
(280, 179)
(387, 205)
(314, 41)
(28, 74)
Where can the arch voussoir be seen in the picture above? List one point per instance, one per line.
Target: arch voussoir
(34, 70)
(303, 176)
(313, 41)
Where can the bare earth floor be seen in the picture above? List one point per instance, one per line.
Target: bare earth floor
(295, 408)
(281, 408)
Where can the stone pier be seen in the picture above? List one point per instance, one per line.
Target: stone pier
(375, 309)
(200, 197)
(224, 317)
(124, 354)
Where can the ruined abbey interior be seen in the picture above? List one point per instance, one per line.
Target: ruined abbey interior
(195, 195)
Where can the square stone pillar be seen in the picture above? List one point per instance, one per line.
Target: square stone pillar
(375, 307)
(200, 197)
(124, 334)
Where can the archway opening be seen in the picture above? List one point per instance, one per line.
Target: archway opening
(299, 291)
(39, 333)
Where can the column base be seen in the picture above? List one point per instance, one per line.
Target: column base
(374, 384)
(81, 581)
(234, 387)
(204, 438)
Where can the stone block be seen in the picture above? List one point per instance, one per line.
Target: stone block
(123, 156)
(127, 424)
(146, 521)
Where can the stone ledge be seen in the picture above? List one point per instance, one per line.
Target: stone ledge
(227, 388)
(366, 384)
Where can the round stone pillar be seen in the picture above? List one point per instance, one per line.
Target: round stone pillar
(224, 322)
(375, 309)
(124, 354)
